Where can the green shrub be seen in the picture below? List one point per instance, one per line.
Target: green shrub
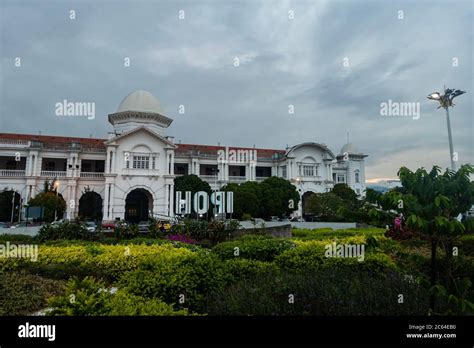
(325, 291)
(91, 297)
(466, 244)
(65, 230)
(311, 256)
(238, 269)
(188, 279)
(16, 238)
(23, 294)
(263, 248)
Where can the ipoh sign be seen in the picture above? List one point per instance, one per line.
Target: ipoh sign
(223, 202)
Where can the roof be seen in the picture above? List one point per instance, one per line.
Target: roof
(182, 149)
(140, 101)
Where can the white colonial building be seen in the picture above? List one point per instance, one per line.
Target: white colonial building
(132, 172)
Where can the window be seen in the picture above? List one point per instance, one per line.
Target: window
(357, 177)
(308, 170)
(153, 162)
(333, 176)
(341, 178)
(141, 162)
(283, 172)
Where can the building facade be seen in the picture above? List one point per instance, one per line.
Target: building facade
(132, 172)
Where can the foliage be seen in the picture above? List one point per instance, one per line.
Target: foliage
(23, 294)
(183, 282)
(51, 202)
(432, 201)
(450, 304)
(321, 292)
(191, 183)
(344, 192)
(270, 197)
(104, 261)
(325, 206)
(64, 230)
(91, 297)
(263, 248)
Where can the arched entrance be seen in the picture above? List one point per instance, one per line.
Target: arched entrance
(90, 206)
(138, 205)
(306, 195)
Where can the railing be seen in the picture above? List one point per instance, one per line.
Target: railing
(53, 173)
(209, 177)
(237, 178)
(15, 142)
(92, 175)
(12, 173)
(261, 178)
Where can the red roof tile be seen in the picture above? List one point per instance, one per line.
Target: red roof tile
(99, 143)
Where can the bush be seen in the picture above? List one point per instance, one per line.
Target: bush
(23, 294)
(90, 297)
(263, 248)
(238, 269)
(466, 246)
(309, 256)
(183, 282)
(107, 261)
(17, 238)
(323, 292)
(65, 230)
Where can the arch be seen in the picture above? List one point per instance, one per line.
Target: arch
(143, 148)
(138, 205)
(90, 206)
(321, 147)
(304, 198)
(309, 159)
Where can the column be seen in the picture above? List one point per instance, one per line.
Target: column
(166, 199)
(171, 209)
(112, 201)
(107, 167)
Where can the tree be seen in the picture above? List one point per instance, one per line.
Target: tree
(345, 193)
(431, 202)
(325, 206)
(276, 194)
(191, 183)
(246, 198)
(51, 203)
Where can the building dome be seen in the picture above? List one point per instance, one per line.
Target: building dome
(350, 148)
(141, 101)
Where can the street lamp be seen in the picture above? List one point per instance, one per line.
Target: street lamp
(445, 101)
(56, 186)
(300, 203)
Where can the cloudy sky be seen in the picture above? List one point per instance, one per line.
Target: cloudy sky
(334, 61)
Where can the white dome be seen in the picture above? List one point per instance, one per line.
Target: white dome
(140, 101)
(350, 148)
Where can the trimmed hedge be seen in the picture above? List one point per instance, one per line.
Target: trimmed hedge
(23, 294)
(254, 247)
(91, 297)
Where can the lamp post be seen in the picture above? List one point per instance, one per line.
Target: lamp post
(445, 101)
(56, 186)
(300, 203)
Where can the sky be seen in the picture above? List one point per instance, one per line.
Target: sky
(333, 62)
